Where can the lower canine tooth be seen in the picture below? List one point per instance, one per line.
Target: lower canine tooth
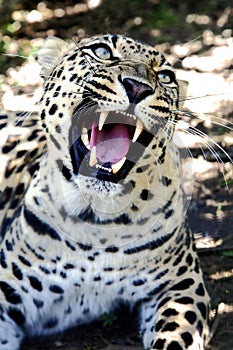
(138, 130)
(117, 166)
(85, 140)
(93, 159)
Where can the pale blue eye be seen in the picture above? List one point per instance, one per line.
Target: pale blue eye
(165, 77)
(103, 53)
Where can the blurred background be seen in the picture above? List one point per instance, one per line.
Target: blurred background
(167, 22)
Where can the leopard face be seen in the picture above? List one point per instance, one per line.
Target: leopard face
(104, 104)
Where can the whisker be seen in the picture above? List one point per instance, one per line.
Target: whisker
(214, 119)
(209, 144)
(15, 55)
(195, 131)
(190, 98)
(24, 94)
(195, 39)
(44, 63)
(212, 151)
(209, 139)
(221, 122)
(22, 117)
(85, 107)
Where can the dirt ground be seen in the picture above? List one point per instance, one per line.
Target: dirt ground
(206, 62)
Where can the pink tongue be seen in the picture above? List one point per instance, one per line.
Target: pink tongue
(112, 142)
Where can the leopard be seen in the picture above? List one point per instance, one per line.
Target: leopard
(92, 204)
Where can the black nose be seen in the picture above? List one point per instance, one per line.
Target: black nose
(135, 90)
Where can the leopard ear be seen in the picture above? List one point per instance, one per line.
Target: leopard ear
(50, 54)
(183, 87)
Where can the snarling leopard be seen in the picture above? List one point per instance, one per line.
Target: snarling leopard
(92, 205)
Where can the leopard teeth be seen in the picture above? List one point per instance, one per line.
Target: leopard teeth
(102, 119)
(117, 166)
(98, 166)
(85, 139)
(128, 115)
(93, 159)
(138, 130)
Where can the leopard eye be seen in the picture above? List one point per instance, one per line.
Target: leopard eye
(166, 76)
(103, 53)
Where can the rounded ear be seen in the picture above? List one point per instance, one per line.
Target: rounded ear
(183, 87)
(50, 54)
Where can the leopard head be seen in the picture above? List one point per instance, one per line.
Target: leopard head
(106, 101)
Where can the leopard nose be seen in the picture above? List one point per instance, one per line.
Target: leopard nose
(135, 90)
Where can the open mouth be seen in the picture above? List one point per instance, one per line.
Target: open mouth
(106, 145)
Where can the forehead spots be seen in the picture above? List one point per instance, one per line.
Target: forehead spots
(122, 46)
(114, 40)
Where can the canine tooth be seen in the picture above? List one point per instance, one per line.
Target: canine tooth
(117, 166)
(138, 130)
(93, 159)
(103, 117)
(85, 140)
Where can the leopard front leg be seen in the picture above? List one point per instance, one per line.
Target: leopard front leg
(10, 333)
(176, 320)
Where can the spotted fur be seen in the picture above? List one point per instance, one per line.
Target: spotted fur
(77, 236)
